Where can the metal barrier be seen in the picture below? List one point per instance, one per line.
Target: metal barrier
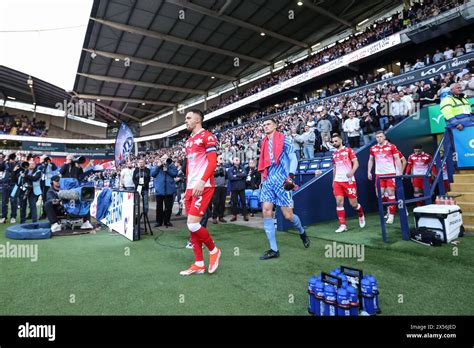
(429, 187)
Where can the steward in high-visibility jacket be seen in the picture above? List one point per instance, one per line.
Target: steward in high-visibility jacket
(456, 109)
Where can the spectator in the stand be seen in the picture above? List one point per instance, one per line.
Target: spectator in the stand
(459, 51)
(308, 138)
(126, 177)
(369, 126)
(419, 64)
(469, 46)
(398, 108)
(427, 95)
(324, 126)
(229, 154)
(236, 175)
(448, 53)
(220, 192)
(141, 179)
(164, 172)
(326, 144)
(180, 183)
(438, 57)
(352, 128)
(296, 143)
(251, 150)
(427, 60)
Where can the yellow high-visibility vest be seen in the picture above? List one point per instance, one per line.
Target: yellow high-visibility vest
(451, 106)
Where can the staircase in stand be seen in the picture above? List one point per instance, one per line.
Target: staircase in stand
(462, 189)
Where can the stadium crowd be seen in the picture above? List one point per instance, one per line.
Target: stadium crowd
(22, 125)
(377, 31)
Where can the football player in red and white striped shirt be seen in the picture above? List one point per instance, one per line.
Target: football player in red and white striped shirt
(201, 154)
(387, 161)
(418, 164)
(344, 184)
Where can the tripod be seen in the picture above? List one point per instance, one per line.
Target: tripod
(144, 215)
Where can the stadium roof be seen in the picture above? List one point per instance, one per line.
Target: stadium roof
(141, 58)
(28, 89)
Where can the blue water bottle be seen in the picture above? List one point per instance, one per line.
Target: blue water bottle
(319, 298)
(343, 303)
(336, 271)
(367, 296)
(330, 300)
(312, 302)
(353, 300)
(375, 290)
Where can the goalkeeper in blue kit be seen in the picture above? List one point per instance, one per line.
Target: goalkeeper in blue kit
(278, 164)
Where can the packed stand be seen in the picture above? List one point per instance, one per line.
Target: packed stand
(375, 32)
(21, 125)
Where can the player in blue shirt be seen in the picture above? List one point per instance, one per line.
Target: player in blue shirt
(278, 164)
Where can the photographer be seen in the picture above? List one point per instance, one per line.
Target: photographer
(47, 168)
(141, 179)
(10, 177)
(28, 190)
(164, 173)
(220, 192)
(71, 169)
(54, 208)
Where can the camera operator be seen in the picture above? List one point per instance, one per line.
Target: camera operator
(28, 190)
(47, 168)
(164, 173)
(71, 169)
(10, 177)
(52, 205)
(220, 192)
(180, 183)
(141, 179)
(54, 208)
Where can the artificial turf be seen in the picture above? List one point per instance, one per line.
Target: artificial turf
(92, 274)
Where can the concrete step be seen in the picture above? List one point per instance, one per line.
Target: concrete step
(463, 178)
(469, 228)
(461, 197)
(466, 207)
(467, 218)
(462, 187)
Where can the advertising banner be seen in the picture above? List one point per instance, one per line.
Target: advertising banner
(464, 147)
(120, 214)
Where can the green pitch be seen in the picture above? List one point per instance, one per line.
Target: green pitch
(107, 274)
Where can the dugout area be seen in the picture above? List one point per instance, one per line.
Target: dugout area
(106, 274)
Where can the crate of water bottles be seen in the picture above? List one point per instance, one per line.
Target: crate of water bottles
(345, 291)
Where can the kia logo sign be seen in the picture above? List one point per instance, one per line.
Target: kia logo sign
(433, 71)
(471, 143)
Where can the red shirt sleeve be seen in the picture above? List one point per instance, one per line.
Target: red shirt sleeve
(210, 142)
(352, 155)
